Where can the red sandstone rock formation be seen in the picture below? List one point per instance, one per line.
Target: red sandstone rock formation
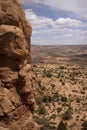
(17, 80)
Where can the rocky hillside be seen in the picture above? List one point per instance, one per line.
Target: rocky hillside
(17, 80)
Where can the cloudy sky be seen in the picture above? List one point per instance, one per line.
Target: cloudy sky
(57, 22)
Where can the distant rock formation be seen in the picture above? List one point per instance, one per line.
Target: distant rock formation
(17, 80)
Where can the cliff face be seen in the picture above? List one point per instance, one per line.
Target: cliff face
(17, 80)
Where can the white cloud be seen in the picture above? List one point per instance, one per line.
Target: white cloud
(30, 1)
(79, 7)
(68, 22)
(37, 21)
(76, 6)
(62, 30)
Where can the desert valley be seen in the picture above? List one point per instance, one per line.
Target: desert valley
(43, 87)
(62, 77)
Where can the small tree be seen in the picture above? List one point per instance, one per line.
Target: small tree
(84, 125)
(68, 114)
(61, 126)
(42, 110)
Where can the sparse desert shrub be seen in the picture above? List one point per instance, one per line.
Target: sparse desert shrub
(78, 100)
(72, 76)
(55, 97)
(61, 126)
(34, 65)
(49, 74)
(72, 125)
(46, 124)
(77, 118)
(38, 100)
(62, 81)
(58, 75)
(53, 116)
(62, 67)
(42, 87)
(43, 128)
(53, 85)
(77, 72)
(82, 119)
(41, 121)
(42, 110)
(59, 109)
(62, 75)
(84, 125)
(52, 127)
(39, 82)
(84, 88)
(46, 99)
(82, 92)
(44, 72)
(64, 99)
(67, 115)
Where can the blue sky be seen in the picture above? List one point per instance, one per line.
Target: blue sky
(57, 22)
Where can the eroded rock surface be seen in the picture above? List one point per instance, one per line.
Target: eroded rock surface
(17, 80)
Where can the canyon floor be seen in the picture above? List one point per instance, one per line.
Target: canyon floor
(61, 73)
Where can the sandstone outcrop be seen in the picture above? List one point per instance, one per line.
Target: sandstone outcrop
(17, 80)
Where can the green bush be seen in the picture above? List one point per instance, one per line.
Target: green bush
(62, 67)
(41, 121)
(38, 100)
(48, 74)
(64, 99)
(53, 116)
(61, 126)
(55, 97)
(42, 87)
(39, 82)
(67, 115)
(59, 109)
(59, 75)
(84, 125)
(48, 126)
(46, 99)
(45, 123)
(62, 81)
(42, 110)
